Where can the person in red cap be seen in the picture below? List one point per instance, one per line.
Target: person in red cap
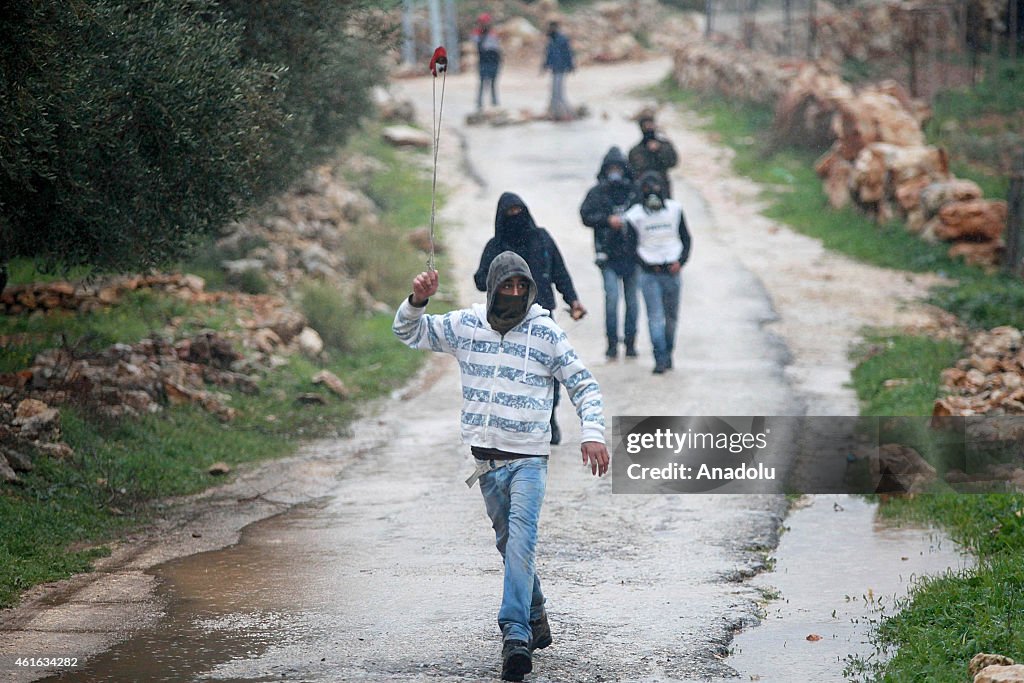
(489, 51)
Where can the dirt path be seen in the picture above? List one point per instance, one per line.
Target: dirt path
(389, 571)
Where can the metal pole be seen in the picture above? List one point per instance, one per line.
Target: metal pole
(1015, 220)
(709, 13)
(451, 36)
(812, 28)
(408, 34)
(787, 10)
(436, 30)
(1014, 28)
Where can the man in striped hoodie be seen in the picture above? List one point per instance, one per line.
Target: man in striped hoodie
(510, 351)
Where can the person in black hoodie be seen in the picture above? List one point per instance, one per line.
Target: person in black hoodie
(615, 251)
(515, 230)
(654, 152)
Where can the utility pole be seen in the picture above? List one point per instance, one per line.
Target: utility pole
(1015, 219)
(436, 29)
(451, 36)
(408, 33)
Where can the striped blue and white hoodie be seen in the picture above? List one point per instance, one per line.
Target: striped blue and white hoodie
(507, 386)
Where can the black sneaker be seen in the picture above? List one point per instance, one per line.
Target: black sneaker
(556, 433)
(541, 633)
(660, 369)
(613, 351)
(630, 349)
(515, 660)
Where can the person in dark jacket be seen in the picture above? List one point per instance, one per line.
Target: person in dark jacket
(559, 60)
(515, 230)
(615, 253)
(653, 153)
(489, 52)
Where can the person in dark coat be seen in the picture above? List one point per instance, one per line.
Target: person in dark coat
(515, 230)
(615, 252)
(489, 52)
(559, 60)
(654, 152)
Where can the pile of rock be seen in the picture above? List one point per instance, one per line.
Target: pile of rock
(877, 158)
(734, 73)
(990, 668)
(83, 297)
(304, 232)
(129, 380)
(990, 380)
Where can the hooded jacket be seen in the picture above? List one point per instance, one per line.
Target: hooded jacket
(536, 247)
(507, 380)
(604, 200)
(643, 159)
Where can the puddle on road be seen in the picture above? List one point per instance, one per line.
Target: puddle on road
(222, 606)
(818, 570)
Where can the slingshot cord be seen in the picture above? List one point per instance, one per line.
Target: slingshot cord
(436, 139)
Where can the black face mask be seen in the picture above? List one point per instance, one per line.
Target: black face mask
(517, 223)
(507, 311)
(648, 135)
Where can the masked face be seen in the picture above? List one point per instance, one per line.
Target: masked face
(615, 175)
(653, 202)
(509, 307)
(516, 219)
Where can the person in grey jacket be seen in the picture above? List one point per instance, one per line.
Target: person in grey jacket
(510, 353)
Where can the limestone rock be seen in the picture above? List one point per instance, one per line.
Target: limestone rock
(1001, 674)
(406, 136)
(310, 343)
(978, 220)
(7, 474)
(901, 469)
(332, 382)
(982, 660)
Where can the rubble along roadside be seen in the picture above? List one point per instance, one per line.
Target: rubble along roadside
(117, 393)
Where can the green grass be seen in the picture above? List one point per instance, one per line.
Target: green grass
(59, 520)
(915, 361)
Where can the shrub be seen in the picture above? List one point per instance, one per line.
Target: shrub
(127, 130)
(330, 313)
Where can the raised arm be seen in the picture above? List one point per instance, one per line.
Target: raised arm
(428, 332)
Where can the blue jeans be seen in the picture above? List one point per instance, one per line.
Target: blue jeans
(513, 495)
(661, 298)
(559, 107)
(484, 81)
(611, 304)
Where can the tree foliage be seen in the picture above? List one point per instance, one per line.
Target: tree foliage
(128, 130)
